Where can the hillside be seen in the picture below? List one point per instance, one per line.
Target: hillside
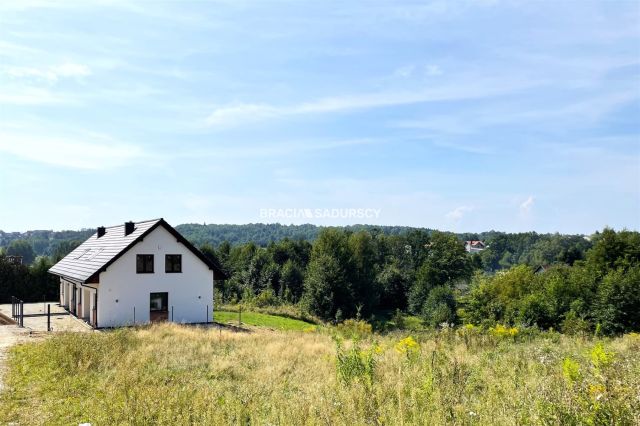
(46, 242)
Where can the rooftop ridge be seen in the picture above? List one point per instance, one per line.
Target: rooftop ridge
(142, 221)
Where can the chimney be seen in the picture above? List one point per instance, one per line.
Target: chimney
(128, 228)
(101, 231)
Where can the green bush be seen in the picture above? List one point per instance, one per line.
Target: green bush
(440, 307)
(355, 363)
(354, 329)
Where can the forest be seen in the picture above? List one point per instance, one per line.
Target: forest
(372, 273)
(506, 248)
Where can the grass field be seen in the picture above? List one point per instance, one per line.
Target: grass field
(261, 320)
(172, 374)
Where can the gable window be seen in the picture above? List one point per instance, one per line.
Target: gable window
(173, 263)
(144, 263)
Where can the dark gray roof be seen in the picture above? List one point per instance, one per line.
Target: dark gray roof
(94, 255)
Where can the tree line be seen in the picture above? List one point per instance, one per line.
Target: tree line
(504, 249)
(31, 283)
(344, 274)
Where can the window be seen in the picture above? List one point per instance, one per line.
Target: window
(144, 264)
(173, 263)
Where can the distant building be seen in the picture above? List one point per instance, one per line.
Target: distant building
(137, 273)
(474, 246)
(541, 268)
(14, 260)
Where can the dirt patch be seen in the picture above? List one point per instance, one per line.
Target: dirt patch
(35, 317)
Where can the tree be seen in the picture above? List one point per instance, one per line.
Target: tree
(445, 263)
(440, 307)
(334, 243)
(394, 285)
(21, 248)
(63, 248)
(612, 250)
(363, 261)
(324, 281)
(617, 306)
(291, 281)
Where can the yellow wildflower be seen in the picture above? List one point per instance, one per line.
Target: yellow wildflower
(597, 391)
(503, 331)
(571, 370)
(407, 346)
(600, 357)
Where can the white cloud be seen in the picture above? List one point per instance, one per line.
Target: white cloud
(275, 149)
(235, 114)
(92, 152)
(51, 73)
(71, 70)
(432, 70)
(458, 213)
(405, 71)
(33, 96)
(527, 205)
(241, 113)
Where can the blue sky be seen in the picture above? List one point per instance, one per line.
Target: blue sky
(457, 115)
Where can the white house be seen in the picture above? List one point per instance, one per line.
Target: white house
(136, 273)
(474, 246)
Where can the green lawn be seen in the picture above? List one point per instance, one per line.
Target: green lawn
(261, 320)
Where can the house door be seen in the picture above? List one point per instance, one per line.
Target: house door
(73, 306)
(159, 307)
(95, 309)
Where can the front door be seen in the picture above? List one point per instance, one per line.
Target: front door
(159, 307)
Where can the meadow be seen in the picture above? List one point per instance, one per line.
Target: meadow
(259, 319)
(173, 374)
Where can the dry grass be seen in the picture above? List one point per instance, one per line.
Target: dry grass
(171, 374)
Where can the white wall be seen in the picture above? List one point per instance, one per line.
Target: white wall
(189, 292)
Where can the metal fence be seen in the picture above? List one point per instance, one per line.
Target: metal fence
(17, 310)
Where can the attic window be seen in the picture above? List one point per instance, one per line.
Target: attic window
(173, 263)
(144, 264)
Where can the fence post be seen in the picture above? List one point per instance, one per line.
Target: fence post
(13, 308)
(240, 316)
(134, 315)
(207, 314)
(171, 313)
(49, 317)
(21, 313)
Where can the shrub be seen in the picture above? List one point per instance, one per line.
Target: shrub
(265, 298)
(440, 307)
(354, 329)
(571, 370)
(573, 324)
(355, 363)
(398, 319)
(600, 357)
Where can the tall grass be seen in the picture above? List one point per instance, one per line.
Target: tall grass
(171, 374)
